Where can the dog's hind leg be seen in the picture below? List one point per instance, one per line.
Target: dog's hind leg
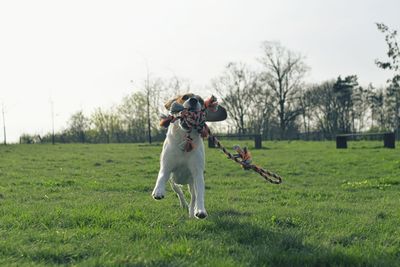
(178, 190)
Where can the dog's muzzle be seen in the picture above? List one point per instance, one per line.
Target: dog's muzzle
(192, 104)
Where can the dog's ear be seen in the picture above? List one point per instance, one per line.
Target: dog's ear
(168, 104)
(219, 115)
(176, 107)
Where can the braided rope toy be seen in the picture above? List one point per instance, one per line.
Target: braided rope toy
(197, 120)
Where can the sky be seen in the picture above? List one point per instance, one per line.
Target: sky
(84, 54)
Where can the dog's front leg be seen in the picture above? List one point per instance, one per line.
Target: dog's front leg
(199, 188)
(192, 200)
(159, 189)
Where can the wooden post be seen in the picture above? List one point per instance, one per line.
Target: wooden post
(257, 141)
(389, 140)
(211, 143)
(341, 141)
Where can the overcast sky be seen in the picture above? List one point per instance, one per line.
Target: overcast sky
(84, 54)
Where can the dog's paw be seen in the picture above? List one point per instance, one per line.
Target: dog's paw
(158, 194)
(201, 214)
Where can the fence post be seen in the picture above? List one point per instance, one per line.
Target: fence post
(257, 141)
(211, 143)
(341, 141)
(389, 140)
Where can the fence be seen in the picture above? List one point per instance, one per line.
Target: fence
(257, 139)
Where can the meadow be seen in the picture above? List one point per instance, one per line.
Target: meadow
(90, 205)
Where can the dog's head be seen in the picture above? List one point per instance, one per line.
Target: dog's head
(194, 102)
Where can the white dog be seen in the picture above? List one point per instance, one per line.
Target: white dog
(182, 157)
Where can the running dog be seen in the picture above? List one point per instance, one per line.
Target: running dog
(182, 159)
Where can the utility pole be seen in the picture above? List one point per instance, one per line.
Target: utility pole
(4, 125)
(52, 121)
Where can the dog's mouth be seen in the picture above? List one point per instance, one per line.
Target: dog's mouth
(192, 120)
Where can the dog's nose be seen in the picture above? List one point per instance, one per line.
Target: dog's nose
(193, 101)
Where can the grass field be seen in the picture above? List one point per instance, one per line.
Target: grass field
(90, 205)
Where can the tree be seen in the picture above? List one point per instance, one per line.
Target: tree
(152, 89)
(108, 124)
(393, 64)
(132, 112)
(360, 106)
(306, 108)
(323, 102)
(376, 104)
(336, 106)
(78, 125)
(392, 101)
(393, 53)
(262, 110)
(343, 90)
(283, 72)
(236, 86)
(175, 86)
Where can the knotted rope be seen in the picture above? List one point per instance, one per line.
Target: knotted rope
(191, 120)
(196, 120)
(244, 159)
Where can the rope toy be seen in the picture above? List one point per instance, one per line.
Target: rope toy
(196, 120)
(243, 154)
(192, 120)
(244, 159)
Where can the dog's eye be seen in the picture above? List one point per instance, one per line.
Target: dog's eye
(185, 97)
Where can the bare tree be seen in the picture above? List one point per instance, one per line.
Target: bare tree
(153, 88)
(262, 110)
(283, 72)
(307, 108)
(78, 125)
(132, 112)
(175, 86)
(376, 103)
(360, 106)
(324, 108)
(100, 121)
(237, 86)
(107, 123)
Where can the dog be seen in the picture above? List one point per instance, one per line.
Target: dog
(182, 160)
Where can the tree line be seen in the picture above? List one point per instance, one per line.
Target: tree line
(270, 98)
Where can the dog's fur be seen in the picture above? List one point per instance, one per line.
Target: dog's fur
(185, 167)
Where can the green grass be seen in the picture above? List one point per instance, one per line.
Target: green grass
(90, 205)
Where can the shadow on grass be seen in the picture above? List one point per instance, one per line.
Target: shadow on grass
(279, 246)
